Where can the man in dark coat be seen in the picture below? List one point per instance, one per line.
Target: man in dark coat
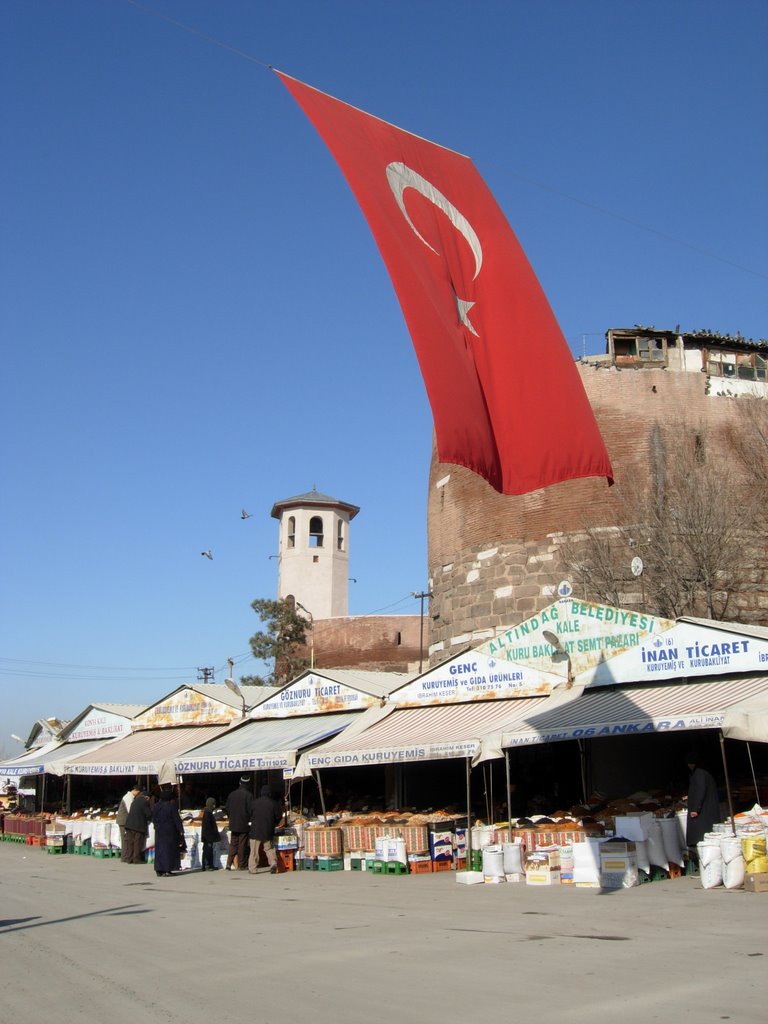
(122, 814)
(136, 828)
(239, 814)
(266, 812)
(209, 834)
(703, 803)
(169, 834)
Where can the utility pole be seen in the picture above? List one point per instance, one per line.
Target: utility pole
(205, 674)
(425, 594)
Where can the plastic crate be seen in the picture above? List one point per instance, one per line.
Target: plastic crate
(395, 867)
(55, 849)
(357, 864)
(442, 865)
(101, 853)
(285, 860)
(420, 867)
(378, 867)
(330, 863)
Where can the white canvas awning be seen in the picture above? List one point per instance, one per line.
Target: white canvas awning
(141, 753)
(263, 744)
(49, 759)
(748, 720)
(417, 734)
(633, 711)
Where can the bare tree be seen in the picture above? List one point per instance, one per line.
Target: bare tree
(691, 519)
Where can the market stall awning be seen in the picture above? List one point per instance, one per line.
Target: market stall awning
(262, 744)
(30, 763)
(49, 759)
(633, 711)
(748, 720)
(141, 753)
(418, 734)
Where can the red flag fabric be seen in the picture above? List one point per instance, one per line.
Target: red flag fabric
(506, 397)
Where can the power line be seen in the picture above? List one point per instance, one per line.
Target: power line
(214, 41)
(102, 668)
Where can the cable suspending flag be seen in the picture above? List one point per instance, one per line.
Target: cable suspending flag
(507, 399)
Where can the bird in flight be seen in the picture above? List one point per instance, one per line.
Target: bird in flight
(207, 554)
(245, 515)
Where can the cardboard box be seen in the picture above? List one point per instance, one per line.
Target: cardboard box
(618, 866)
(756, 882)
(441, 845)
(542, 867)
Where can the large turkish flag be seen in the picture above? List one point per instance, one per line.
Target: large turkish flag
(506, 397)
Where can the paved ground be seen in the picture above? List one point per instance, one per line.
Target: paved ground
(95, 940)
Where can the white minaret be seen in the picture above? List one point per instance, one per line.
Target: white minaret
(313, 554)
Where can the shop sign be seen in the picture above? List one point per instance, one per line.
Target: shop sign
(17, 771)
(243, 762)
(98, 725)
(186, 707)
(393, 755)
(588, 635)
(124, 768)
(677, 723)
(474, 676)
(313, 695)
(686, 650)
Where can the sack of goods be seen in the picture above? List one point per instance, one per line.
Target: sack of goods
(733, 862)
(710, 861)
(755, 856)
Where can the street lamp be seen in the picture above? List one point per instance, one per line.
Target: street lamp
(232, 685)
(560, 654)
(311, 634)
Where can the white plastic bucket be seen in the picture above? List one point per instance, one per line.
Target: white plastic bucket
(513, 858)
(493, 862)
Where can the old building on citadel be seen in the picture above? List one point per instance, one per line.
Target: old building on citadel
(687, 432)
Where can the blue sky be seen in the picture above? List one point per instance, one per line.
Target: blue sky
(195, 319)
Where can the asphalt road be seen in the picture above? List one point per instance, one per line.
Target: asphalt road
(93, 940)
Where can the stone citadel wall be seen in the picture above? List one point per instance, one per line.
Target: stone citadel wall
(495, 559)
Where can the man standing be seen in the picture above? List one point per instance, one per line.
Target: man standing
(122, 815)
(239, 814)
(703, 803)
(265, 815)
(136, 828)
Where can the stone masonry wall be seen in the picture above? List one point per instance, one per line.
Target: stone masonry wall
(375, 643)
(495, 560)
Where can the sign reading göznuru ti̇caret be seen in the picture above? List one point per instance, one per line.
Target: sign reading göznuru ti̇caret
(313, 694)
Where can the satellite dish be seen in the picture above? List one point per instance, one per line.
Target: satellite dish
(636, 565)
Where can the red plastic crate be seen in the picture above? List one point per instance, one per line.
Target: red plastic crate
(442, 865)
(285, 860)
(420, 867)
